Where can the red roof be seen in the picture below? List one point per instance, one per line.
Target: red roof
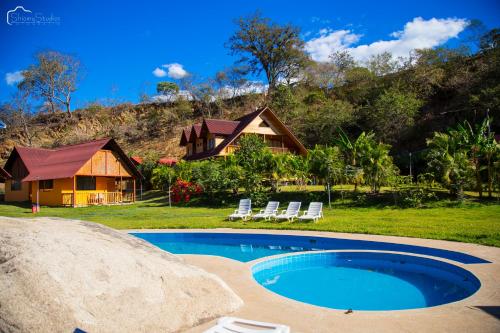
(65, 161)
(170, 161)
(195, 132)
(220, 127)
(137, 160)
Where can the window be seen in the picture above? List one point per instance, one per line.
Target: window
(15, 185)
(211, 144)
(47, 184)
(85, 183)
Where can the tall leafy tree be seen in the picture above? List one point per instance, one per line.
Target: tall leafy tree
(265, 46)
(393, 113)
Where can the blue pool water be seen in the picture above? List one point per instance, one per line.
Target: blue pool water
(248, 247)
(365, 280)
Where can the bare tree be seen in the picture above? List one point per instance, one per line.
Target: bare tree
(17, 114)
(53, 77)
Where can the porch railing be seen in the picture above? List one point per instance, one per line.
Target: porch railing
(97, 198)
(274, 150)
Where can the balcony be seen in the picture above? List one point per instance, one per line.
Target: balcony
(275, 150)
(93, 198)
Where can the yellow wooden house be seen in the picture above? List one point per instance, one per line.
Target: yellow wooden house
(91, 173)
(217, 137)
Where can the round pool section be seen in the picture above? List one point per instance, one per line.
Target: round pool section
(365, 280)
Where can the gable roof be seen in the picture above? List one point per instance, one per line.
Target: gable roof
(195, 132)
(243, 122)
(65, 161)
(185, 135)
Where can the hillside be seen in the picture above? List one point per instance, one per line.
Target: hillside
(151, 129)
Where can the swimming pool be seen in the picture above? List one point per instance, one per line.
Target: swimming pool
(354, 277)
(248, 247)
(365, 280)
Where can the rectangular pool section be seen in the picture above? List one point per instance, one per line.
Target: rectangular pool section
(248, 247)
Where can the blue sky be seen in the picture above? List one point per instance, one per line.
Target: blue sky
(121, 43)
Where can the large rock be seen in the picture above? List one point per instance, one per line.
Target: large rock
(58, 275)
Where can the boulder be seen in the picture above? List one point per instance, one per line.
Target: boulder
(61, 275)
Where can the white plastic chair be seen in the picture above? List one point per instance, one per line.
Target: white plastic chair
(291, 212)
(244, 210)
(238, 325)
(270, 211)
(314, 212)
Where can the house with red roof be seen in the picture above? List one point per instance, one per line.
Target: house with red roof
(216, 137)
(90, 173)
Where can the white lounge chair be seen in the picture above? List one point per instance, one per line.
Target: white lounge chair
(238, 325)
(291, 212)
(270, 211)
(244, 210)
(314, 212)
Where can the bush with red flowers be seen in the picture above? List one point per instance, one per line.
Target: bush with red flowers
(182, 191)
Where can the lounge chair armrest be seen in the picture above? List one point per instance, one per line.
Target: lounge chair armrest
(283, 211)
(249, 212)
(235, 211)
(261, 211)
(305, 213)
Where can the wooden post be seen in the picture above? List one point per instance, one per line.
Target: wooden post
(133, 196)
(74, 191)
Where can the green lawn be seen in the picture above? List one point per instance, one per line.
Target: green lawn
(470, 222)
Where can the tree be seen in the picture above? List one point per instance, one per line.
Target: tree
(275, 49)
(480, 146)
(323, 120)
(327, 164)
(393, 113)
(449, 163)
(342, 62)
(382, 64)
(284, 102)
(167, 89)
(377, 164)
(352, 151)
(252, 157)
(53, 78)
(163, 176)
(18, 113)
(232, 80)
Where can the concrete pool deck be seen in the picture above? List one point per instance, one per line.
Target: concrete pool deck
(477, 313)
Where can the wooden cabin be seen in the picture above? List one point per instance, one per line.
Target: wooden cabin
(91, 173)
(216, 137)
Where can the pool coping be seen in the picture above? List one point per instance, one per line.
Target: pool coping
(469, 314)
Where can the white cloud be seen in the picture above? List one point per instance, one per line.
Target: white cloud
(158, 72)
(176, 71)
(417, 34)
(173, 70)
(14, 77)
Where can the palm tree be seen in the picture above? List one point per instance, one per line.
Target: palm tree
(326, 163)
(352, 151)
(449, 161)
(377, 164)
(490, 150)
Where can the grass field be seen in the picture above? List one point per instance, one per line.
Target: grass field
(471, 222)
